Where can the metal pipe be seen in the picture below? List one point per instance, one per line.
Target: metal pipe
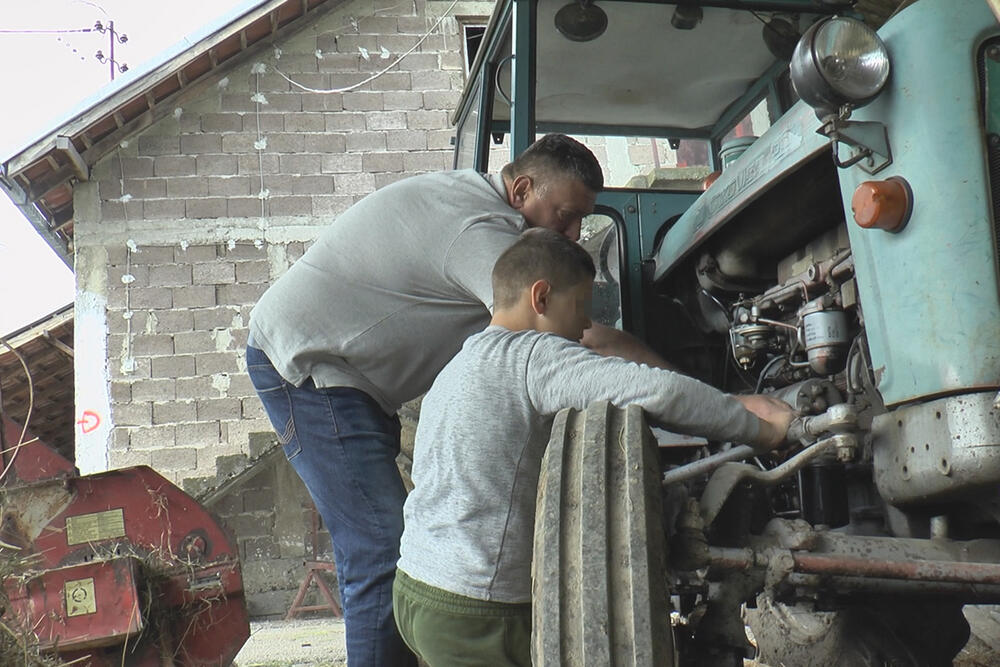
(706, 465)
(851, 566)
(851, 586)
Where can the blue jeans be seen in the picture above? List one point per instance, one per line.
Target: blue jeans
(344, 447)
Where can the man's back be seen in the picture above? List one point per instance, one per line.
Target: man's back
(390, 290)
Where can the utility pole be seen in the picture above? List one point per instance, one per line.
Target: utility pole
(113, 37)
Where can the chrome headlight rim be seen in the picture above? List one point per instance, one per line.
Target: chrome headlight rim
(811, 83)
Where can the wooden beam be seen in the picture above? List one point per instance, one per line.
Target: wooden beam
(65, 146)
(56, 343)
(53, 180)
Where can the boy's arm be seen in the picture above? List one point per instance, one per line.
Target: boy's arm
(562, 374)
(610, 342)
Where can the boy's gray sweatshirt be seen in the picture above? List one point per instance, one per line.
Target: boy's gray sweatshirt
(483, 428)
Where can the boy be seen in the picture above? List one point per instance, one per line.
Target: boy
(463, 582)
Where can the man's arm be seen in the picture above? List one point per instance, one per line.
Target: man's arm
(611, 342)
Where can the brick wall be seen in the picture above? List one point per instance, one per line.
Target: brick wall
(184, 226)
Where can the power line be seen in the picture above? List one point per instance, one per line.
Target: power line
(44, 32)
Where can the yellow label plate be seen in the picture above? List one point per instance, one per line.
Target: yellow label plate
(94, 527)
(80, 597)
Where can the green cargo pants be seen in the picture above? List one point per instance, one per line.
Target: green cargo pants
(449, 630)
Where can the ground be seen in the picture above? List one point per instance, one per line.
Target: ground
(318, 642)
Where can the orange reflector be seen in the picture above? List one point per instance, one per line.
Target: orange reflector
(882, 204)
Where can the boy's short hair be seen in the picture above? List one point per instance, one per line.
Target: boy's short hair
(557, 157)
(539, 254)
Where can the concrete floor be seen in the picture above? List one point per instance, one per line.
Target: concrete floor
(318, 642)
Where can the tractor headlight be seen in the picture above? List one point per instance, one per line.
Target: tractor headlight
(839, 61)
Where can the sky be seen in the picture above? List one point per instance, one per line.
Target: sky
(43, 77)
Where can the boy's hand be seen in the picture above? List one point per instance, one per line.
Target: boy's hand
(774, 415)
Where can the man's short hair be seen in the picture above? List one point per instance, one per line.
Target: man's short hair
(557, 157)
(539, 254)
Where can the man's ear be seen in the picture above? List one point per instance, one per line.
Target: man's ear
(519, 190)
(540, 292)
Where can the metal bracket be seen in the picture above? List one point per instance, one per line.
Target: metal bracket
(868, 139)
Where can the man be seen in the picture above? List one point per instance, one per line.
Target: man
(366, 319)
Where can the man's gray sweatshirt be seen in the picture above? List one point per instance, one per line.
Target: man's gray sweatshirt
(483, 428)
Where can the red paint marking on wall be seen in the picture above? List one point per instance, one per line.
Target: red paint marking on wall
(89, 421)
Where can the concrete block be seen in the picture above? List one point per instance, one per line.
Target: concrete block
(299, 164)
(287, 142)
(163, 209)
(427, 120)
(194, 296)
(413, 25)
(239, 102)
(419, 62)
(219, 409)
(133, 167)
(173, 412)
(175, 458)
(265, 123)
(174, 165)
(269, 82)
(193, 342)
(187, 186)
(195, 387)
(251, 164)
(354, 184)
(259, 499)
(141, 369)
(429, 161)
(290, 205)
(115, 211)
(345, 122)
(441, 140)
(150, 297)
(139, 273)
(177, 366)
(145, 188)
(128, 458)
(392, 120)
(331, 205)
(214, 273)
(406, 140)
(452, 60)
(151, 437)
(402, 100)
(394, 81)
(198, 434)
(397, 44)
(221, 122)
(261, 442)
(326, 143)
(159, 145)
(343, 163)
(239, 143)
(198, 144)
(435, 79)
(282, 102)
(322, 102)
(121, 392)
(221, 317)
(240, 385)
(366, 141)
(305, 122)
(260, 548)
(251, 524)
(442, 99)
(216, 165)
(235, 295)
(216, 362)
(228, 186)
(333, 61)
(196, 486)
(362, 101)
(152, 346)
(171, 321)
(131, 414)
(350, 43)
(195, 253)
(244, 207)
(315, 80)
(154, 389)
(381, 180)
(169, 275)
(374, 162)
(251, 408)
(377, 25)
(208, 207)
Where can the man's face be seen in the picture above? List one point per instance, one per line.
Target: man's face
(568, 311)
(559, 205)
